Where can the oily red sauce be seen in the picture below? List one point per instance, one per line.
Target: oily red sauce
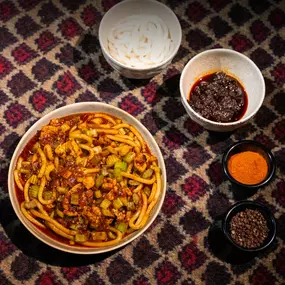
(218, 97)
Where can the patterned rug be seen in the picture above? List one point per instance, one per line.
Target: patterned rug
(50, 56)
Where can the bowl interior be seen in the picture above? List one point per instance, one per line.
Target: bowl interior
(254, 147)
(131, 7)
(270, 220)
(73, 109)
(233, 63)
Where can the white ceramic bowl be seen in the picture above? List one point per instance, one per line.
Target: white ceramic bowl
(73, 109)
(233, 63)
(130, 7)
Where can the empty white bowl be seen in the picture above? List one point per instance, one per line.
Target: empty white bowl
(232, 63)
(131, 7)
(85, 107)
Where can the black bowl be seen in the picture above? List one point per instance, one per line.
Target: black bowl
(241, 206)
(249, 145)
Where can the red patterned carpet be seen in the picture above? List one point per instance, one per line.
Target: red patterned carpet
(50, 56)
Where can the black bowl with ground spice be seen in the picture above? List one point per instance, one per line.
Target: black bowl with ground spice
(249, 165)
(218, 97)
(249, 226)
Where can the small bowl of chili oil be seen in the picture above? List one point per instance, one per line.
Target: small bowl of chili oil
(249, 226)
(249, 164)
(221, 89)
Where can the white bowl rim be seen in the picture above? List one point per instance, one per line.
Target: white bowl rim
(73, 249)
(148, 67)
(219, 50)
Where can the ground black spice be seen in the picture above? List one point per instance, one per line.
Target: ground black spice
(249, 228)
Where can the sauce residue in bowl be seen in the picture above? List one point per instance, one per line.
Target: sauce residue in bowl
(218, 97)
(248, 167)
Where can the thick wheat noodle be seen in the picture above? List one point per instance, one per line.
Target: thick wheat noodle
(48, 170)
(133, 219)
(130, 166)
(143, 211)
(152, 194)
(60, 232)
(44, 162)
(118, 139)
(41, 190)
(17, 179)
(104, 116)
(40, 207)
(125, 137)
(19, 163)
(31, 218)
(90, 170)
(81, 136)
(157, 193)
(26, 190)
(138, 188)
(105, 243)
(48, 151)
(89, 149)
(54, 222)
(56, 162)
(139, 179)
(136, 133)
(107, 131)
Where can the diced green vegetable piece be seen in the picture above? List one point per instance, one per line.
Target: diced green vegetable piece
(124, 200)
(122, 227)
(99, 235)
(118, 174)
(134, 182)
(129, 157)
(104, 171)
(61, 190)
(111, 235)
(105, 204)
(33, 191)
(74, 199)
(147, 191)
(136, 198)
(131, 206)
(99, 180)
(47, 195)
(82, 237)
(117, 203)
(112, 159)
(59, 213)
(107, 213)
(97, 194)
(121, 165)
(73, 226)
(147, 173)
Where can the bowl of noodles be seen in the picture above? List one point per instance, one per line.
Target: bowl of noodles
(139, 38)
(87, 178)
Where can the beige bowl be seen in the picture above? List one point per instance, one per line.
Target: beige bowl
(130, 7)
(82, 108)
(234, 63)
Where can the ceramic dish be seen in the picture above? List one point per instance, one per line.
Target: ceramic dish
(130, 7)
(233, 63)
(74, 109)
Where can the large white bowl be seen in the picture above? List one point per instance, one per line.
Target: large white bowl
(233, 63)
(82, 108)
(130, 7)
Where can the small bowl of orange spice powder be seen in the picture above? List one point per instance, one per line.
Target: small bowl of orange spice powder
(249, 164)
